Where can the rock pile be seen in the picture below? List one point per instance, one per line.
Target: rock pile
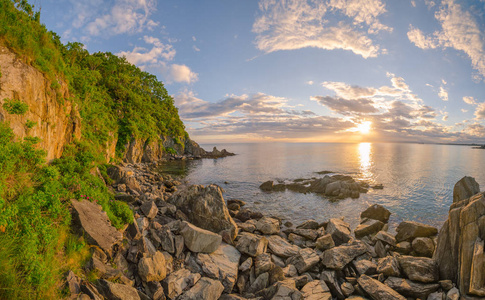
(191, 246)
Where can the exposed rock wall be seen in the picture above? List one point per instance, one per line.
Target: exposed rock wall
(58, 121)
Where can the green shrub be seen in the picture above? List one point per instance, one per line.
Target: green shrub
(30, 124)
(15, 107)
(171, 150)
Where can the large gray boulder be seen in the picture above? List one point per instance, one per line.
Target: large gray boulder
(152, 268)
(338, 257)
(281, 247)
(465, 188)
(378, 290)
(410, 288)
(251, 244)
(221, 265)
(117, 291)
(305, 260)
(205, 207)
(204, 289)
(177, 282)
(376, 212)
(409, 230)
(368, 227)
(198, 239)
(420, 269)
(339, 230)
(94, 224)
(268, 225)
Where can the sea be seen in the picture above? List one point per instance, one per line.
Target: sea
(418, 179)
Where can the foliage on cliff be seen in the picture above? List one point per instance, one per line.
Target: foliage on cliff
(117, 101)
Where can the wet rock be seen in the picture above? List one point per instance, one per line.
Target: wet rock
(408, 230)
(316, 290)
(378, 290)
(204, 289)
(177, 282)
(199, 240)
(267, 186)
(251, 244)
(94, 224)
(149, 209)
(152, 268)
(205, 207)
(376, 212)
(368, 227)
(236, 201)
(325, 242)
(423, 246)
(420, 269)
(305, 260)
(117, 291)
(221, 265)
(281, 247)
(268, 225)
(389, 266)
(339, 230)
(309, 224)
(338, 257)
(409, 288)
(465, 188)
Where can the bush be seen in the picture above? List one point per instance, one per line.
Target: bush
(15, 107)
(30, 124)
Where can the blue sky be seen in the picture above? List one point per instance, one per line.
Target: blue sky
(300, 70)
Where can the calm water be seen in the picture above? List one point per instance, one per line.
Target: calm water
(418, 179)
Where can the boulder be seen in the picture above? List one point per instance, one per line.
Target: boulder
(199, 240)
(309, 224)
(179, 281)
(477, 276)
(117, 291)
(410, 288)
(423, 246)
(94, 225)
(286, 289)
(386, 238)
(251, 244)
(260, 283)
(389, 266)
(204, 289)
(330, 279)
(409, 230)
(263, 264)
(436, 296)
(268, 225)
(305, 260)
(267, 186)
(221, 265)
(465, 188)
(308, 234)
(403, 248)
(152, 268)
(316, 290)
(281, 247)
(149, 209)
(459, 243)
(368, 227)
(246, 265)
(365, 266)
(453, 294)
(205, 207)
(420, 269)
(325, 242)
(338, 257)
(339, 230)
(376, 212)
(378, 290)
(347, 288)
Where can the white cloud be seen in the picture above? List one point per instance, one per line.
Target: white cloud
(469, 100)
(194, 38)
(464, 110)
(443, 94)
(180, 73)
(296, 24)
(195, 48)
(480, 111)
(413, 3)
(445, 117)
(141, 56)
(310, 82)
(459, 30)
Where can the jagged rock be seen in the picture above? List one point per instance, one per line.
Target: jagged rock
(221, 265)
(339, 230)
(152, 268)
(420, 269)
(278, 261)
(205, 207)
(251, 244)
(376, 212)
(330, 278)
(117, 291)
(199, 240)
(290, 271)
(325, 242)
(378, 290)
(297, 240)
(149, 209)
(95, 225)
(263, 264)
(380, 249)
(260, 283)
(246, 265)
(386, 237)
(309, 224)
(365, 266)
(409, 288)
(276, 274)
(368, 227)
(403, 248)
(286, 290)
(281, 247)
(204, 289)
(436, 296)
(338, 257)
(167, 240)
(305, 260)
(308, 234)
(268, 225)
(453, 294)
(408, 230)
(347, 289)
(177, 282)
(465, 188)
(477, 276)
(423, 246)
(389, 266)
(446, 284)
(73, 283)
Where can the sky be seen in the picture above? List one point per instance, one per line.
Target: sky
(300, 70)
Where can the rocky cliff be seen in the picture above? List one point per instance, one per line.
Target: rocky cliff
(57, 120)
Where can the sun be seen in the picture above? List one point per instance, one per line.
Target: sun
(364, 127)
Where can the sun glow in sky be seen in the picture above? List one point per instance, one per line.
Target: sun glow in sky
(308, 70)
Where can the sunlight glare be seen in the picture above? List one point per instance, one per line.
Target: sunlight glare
(364, 127)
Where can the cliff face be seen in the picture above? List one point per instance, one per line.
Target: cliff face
(58, 122)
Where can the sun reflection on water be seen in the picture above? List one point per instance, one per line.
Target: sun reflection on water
(365, 156)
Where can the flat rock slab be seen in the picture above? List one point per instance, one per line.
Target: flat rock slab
(420, 269)
(198, 239)
(177, 282)
(412, 289)
(281, 247)
(316, 290)
(95, 225)
(408, 230)
(378, 290)
(338, 257)
(204, 289)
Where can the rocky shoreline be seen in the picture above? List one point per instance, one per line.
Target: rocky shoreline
(187, 242)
